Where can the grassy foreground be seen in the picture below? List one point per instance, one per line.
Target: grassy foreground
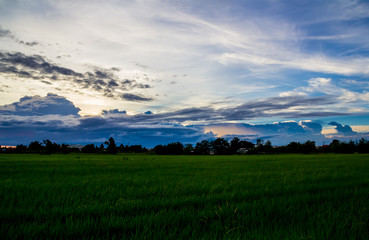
(184, 197)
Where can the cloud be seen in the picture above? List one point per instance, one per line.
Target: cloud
(347, 96)
(288, 107)
(97, 130)
(38, 106)
(113, 111)
(7, 33)
(285, 107)
(16, 62)
(56, 118)
(39, 68)
(280, 133)
(31, 44)
(346, 129)
(311, 127)
(135, 98)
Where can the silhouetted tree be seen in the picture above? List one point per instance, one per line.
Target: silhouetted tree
(203, 147)
(235, 145)
(49, 146)
(220, 146)
(89, 148)
(347, 147)
(159, 149)
(334, 146)
(188, 149)
(21, 148)
(122, 148)
(363, 146)
(101, 149)
(293, 147)
(111, 148)
(65, 149)
(267, 147)
(175, 148)
(35, 146)
(308, 147)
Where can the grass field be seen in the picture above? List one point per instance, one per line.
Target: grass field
(184, 197)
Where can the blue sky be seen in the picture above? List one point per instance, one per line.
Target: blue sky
(152, 72)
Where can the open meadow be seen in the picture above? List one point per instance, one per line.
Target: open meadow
(83, 196)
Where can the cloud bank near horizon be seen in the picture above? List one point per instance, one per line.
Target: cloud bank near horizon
(56, 118)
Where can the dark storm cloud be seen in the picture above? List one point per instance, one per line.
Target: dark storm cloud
(37, 106)
(346, 129)
(135, 98)
(39, 68)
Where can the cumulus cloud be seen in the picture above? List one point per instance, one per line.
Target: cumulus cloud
(346, 129)
(38, 106)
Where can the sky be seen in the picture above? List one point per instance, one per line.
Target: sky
(157, 71)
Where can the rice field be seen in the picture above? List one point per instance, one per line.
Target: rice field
(87, 196)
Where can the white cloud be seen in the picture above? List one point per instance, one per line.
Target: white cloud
(327, 86)
(292, 93)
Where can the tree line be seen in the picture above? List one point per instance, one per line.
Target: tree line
(219, 146)
(48, 147)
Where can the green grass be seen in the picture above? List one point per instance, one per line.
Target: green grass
(184, 197)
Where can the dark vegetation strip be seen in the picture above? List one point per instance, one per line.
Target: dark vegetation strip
(219, 146)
